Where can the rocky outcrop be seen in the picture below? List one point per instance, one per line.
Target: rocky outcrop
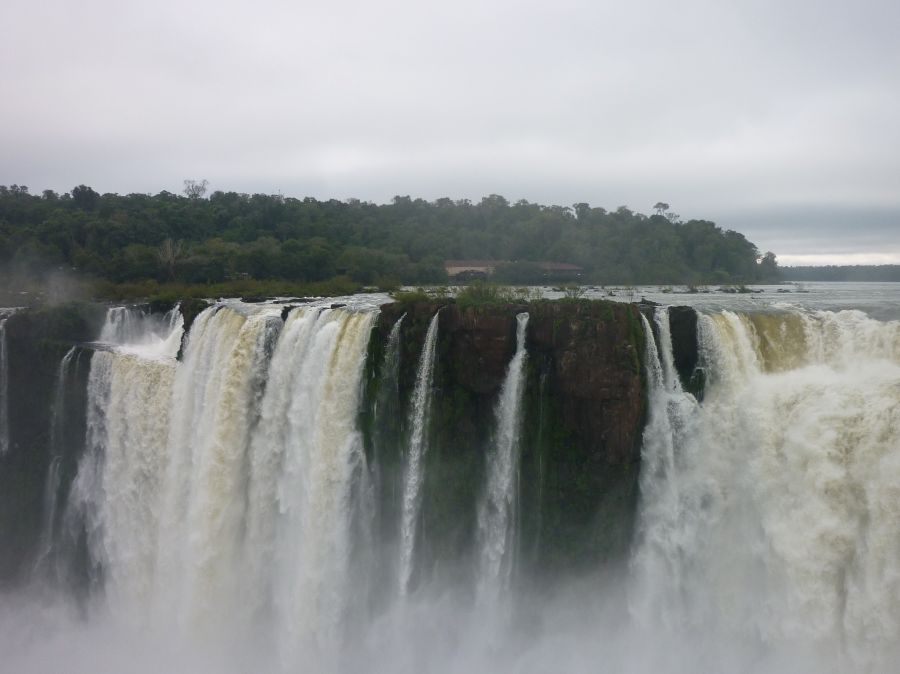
(37, 340)
(583, 420)
(686, 349)
(584, 411)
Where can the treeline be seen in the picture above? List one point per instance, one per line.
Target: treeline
(230, 236)
(880, 272)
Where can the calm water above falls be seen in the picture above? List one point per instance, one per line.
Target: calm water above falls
(227, 496)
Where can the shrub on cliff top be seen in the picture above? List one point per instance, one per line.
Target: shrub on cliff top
(481, 294)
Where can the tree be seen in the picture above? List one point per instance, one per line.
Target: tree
(768, 267)
(169, 253)
(195, 189)
(582, 210)
(85, 198)
(661, 207)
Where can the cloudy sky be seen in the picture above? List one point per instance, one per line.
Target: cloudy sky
(777, 118)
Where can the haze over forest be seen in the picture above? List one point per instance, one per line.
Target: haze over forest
(777, 120)
(191, 239)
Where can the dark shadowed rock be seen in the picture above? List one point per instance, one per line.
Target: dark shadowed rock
(685, 349)
(582, 420)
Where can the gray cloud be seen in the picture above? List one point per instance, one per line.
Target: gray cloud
(750, 113)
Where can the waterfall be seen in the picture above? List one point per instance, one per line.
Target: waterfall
(58, 419)
(414, 470)
(202, 482)
(311, 584)
(389, 384)
(57, 453)
(236, 467)
(770, 511)
(671, 411)
(4, 389)
(262, 497)
(381, 520)
(142, 332)
(497, 511)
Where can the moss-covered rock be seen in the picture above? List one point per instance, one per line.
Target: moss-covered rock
(583, 414)
(585, 408)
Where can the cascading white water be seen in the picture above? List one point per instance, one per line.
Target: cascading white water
(771, 512)
(311, 584)
(203, 479)
(235, 466)
(269, 444)
(657, 581)
(4, 390)
(136, 418)
(143, 333)
(377, 518)
(414, 470)
(497, 511)
(219, 495)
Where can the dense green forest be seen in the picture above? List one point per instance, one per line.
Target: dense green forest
(881, 272)
(192, 238)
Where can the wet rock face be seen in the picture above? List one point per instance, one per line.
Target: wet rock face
(685, 350)
(481, 346)
(36, 341)
(584, 417)
(582, 421)
(594, 358)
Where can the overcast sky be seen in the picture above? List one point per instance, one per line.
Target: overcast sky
(777, 118)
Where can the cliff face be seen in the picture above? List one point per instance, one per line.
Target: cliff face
(582, 420)
(582, 417)
(37, 340)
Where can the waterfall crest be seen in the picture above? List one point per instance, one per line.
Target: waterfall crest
(143, 333)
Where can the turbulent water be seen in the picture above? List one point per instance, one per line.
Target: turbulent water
(771, 512)
(226, 501)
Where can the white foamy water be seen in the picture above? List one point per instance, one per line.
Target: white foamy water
(497, 510)
(771, 513)
(414, 472)
(235, 468)
(224, 496)
(142, 333)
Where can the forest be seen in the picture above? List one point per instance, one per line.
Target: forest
(195, 238)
